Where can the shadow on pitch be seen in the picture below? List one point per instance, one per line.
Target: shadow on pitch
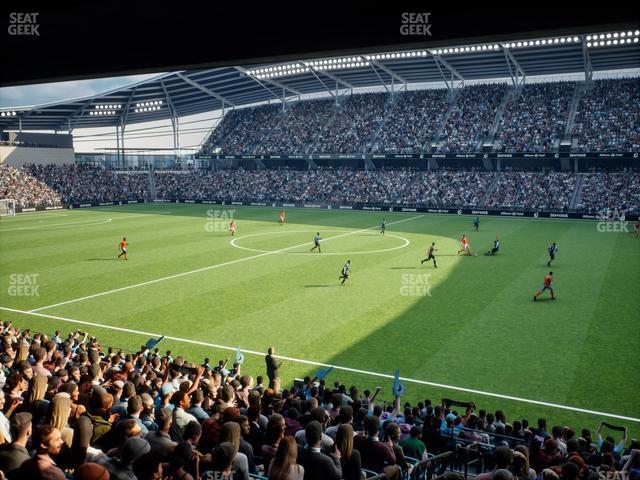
(319, 286)
(102, 259)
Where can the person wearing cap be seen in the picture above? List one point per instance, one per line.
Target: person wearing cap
(91, 471)
(14, 454)
(122, 468)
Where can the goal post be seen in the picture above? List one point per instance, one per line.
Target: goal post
(7, 207)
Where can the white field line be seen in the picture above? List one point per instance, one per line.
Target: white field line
(211, 267)
(337, 367)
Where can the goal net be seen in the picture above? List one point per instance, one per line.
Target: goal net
(7, 207)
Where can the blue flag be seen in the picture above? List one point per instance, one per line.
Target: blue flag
(320, 374)
(239, 356)
(398, 388)
(152, 342)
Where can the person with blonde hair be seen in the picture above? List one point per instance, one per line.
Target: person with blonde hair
(36, 403)
(284, 466)
(231, 433)
(58, 416)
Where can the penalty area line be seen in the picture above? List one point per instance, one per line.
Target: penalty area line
(337, 367)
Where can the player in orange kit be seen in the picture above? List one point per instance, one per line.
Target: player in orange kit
(548, 285)
(232, 228)
(464, 241)
(123, 248)
(281, 220)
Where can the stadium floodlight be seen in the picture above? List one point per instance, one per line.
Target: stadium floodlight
(635, 40)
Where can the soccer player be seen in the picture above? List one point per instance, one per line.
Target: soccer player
(281, 220)
(476, 223)
(496, 247)
(464, 241)
(232, 228)
(636, 230)
(383, 225)
(123, 248)
(553, 249)
(548, 285)
(345, 272)
(430, 255)
(316, 243)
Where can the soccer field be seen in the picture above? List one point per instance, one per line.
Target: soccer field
(469, 324)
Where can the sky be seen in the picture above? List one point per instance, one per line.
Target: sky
(29, 95)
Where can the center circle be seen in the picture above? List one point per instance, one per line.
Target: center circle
(234, 243)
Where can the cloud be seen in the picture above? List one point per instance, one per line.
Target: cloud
(28, 95)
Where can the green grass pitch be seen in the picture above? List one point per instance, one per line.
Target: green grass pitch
(470, 323)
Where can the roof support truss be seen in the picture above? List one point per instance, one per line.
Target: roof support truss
(514, 69)
(586, 59)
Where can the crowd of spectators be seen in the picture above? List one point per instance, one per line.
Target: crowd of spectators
(407, 187)
(413, 122)
(610, 192)
(242, 130)
(353, 124)
(297, 129)
(608, 117)
(534, 119)
(471, 118)
(546, 191)
(533, 191)
(26, 190)
(84, 183)
(71, 408)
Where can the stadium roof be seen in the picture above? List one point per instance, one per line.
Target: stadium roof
(190, 92)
